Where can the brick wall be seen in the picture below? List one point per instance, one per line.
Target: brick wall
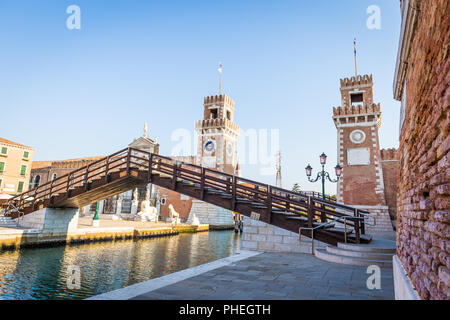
(389, 163)
(423, 222)
(183, 207)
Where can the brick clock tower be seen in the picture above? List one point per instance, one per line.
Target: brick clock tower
(216, 149)
(357, 122)
(217, 135)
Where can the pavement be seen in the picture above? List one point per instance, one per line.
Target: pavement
(278, 276)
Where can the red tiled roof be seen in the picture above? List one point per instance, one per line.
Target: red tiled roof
(43, 164)
(3, 140)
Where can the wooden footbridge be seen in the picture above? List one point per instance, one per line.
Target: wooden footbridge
(130, 168)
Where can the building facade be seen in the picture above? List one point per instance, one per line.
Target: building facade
(421, 83)
(15, 167)
(362, 183)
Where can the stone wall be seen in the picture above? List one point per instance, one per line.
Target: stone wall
(261, 236)
(423, 217)
(52, 221)
(383, 221)
(210, 214)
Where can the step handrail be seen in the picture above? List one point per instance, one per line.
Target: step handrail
(320, 226)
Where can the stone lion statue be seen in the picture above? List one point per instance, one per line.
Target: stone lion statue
(173, 215)
(148, 213)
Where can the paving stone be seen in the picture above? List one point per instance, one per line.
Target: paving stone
(279, 276)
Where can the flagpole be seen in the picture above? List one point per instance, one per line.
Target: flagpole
(220, 78)
(356, 68)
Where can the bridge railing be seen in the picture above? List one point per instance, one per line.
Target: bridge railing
(312, 207)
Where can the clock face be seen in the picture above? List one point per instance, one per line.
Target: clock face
(210, 146)
(229, 148)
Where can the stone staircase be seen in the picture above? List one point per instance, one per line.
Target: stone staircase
(7, 222)
(379, 253)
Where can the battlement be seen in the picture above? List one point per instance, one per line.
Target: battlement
(359, 109)
(222, 99)
(389, 154)
(216, 123)
(357, 81)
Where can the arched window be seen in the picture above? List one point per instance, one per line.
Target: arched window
(37, 181)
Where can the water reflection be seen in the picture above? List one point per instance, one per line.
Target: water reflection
(42, 273)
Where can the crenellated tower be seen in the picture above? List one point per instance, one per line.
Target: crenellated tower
(357, 121)
(217, 134)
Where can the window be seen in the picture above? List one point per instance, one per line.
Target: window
(20, 187)
(356, 97)
(228, 115)
(37, 181)
(54, 176)
(4, 151)
(23, 170)
(2, 166)
(72, 180)
(213, 113)
(26, 154)
(163, 201)
(0, 183)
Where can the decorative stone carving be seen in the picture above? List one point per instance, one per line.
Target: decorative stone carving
(148, 212)
(357, 136)
(195, 221)
(173, 215)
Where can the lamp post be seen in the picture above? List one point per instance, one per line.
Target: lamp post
(323, 174)
(96, 220)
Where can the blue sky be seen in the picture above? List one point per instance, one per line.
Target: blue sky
(88, 92)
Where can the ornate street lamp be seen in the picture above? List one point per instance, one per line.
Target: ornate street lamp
(323, 174)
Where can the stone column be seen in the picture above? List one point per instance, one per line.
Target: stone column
(101, 205)
(134, 204)
(119, 204)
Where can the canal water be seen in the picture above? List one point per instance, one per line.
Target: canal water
(43, 273)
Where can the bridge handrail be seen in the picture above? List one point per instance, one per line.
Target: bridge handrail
(273, 197)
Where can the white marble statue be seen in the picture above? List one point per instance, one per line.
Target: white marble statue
(148, 212)
(195, 220)
(145, 130)
(173, 215)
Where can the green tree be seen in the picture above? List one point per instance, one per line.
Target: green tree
(296, 188)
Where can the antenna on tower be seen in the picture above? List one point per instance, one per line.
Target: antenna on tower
(356, 68)
(220, 78)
